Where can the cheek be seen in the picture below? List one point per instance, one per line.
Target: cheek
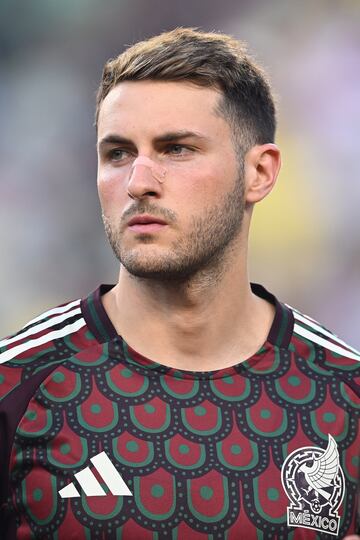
(111, 189)
(201, 186)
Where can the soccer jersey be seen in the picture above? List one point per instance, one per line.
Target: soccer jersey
(99, 442)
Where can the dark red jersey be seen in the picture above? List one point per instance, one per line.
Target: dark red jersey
(99, 442)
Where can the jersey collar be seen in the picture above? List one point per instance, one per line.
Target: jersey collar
(101, 326)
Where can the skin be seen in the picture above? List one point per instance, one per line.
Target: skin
(169, 288)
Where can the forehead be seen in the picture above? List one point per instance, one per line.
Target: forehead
(160, 104)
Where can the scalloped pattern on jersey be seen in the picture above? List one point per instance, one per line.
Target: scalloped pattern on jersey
(202, 454)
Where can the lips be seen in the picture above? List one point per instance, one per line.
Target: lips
(146, 224)
(145, 220)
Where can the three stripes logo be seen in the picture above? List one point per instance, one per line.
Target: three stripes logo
(89, 483)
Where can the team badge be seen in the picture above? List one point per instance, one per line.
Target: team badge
(314, 483)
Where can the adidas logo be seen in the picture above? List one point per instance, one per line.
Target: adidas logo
(91, 485)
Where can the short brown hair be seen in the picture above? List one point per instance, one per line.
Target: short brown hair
(204, 59)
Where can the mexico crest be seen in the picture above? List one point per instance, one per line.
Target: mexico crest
(314, 483)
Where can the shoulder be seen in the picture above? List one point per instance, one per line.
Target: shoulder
(310, 331)
(314, 342)
(41, 331)
(39, 342)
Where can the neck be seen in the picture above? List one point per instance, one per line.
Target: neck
(207, 322)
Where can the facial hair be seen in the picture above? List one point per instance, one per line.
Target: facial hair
(202, 249)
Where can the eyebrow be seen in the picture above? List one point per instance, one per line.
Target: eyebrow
(166, 137)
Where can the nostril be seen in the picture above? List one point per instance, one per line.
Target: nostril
(147, 194)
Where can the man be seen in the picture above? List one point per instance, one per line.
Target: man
(184, 402)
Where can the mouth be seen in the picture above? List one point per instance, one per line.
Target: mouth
(146, 224)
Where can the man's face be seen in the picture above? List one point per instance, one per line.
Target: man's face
(201, 201)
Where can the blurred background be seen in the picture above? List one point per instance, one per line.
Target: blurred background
(305, 244)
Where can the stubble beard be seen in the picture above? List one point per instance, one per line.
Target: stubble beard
(203, 251)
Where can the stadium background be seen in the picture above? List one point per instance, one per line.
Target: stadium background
(305, 244)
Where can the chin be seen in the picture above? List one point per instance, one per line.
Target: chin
(157, 267)
(146, 270)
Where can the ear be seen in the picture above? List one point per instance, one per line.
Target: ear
(262, 165)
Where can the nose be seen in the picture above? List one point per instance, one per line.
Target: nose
(145, 179)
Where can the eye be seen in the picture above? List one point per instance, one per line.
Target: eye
(178, 149)
(118, 154)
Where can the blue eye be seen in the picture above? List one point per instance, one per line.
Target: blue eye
(118, 154)
(178, 149)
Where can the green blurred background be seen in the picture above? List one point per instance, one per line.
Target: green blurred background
(305, 244)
